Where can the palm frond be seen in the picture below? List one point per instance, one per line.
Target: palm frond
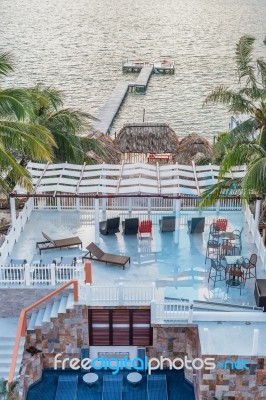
(223, 188)
(243, 56)
(238, 155)
(255, 180)
(262, 72)
(5, 64)
(15, 103)
(27, 139)
(236, 102)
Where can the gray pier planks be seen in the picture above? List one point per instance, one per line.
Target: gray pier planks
(143, 78)
(111, 107)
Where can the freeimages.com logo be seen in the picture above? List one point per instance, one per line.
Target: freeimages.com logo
(147, 364)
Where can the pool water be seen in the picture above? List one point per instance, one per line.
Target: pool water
(177, 387)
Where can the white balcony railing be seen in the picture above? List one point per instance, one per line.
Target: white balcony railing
(114, 295)
(29, 275)
(255, 234)
(10, 239)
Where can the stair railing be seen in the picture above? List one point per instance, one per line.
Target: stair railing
(22, 322)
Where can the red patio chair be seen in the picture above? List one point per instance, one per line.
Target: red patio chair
(145, 227)
(222, 224)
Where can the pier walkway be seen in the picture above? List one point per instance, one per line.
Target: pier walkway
(109, 110)
(143, 78)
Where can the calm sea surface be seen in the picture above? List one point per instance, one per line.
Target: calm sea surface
(78, 46)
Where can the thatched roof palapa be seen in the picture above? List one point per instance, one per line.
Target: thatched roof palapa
(112, 154)
(193, 148)
(147, 138)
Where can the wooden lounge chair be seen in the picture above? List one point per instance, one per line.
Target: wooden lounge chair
(130, 226)
(95, 253)
(196, 225)
(110, 226)
(167, 224)
(50, 244)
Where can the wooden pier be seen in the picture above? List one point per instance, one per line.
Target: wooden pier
(143, 78)
(159, 67)
(109, 110)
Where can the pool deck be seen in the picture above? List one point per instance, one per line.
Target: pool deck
(178, 270)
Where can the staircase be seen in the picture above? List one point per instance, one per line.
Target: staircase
(37, 319)
(45, 314)
(8, 332)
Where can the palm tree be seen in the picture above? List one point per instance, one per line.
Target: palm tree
(18, 135)
(246, 144)
(66, 126)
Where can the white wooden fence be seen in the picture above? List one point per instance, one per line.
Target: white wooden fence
(126, 203)
(15, 230)
(257, 238)
(114, 295)
(29, 275)
(171, 312)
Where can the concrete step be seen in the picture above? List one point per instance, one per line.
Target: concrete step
(62, 305)
(55, 307)
(70, 301)
(38, 322)
(31, 324)
(47, 314)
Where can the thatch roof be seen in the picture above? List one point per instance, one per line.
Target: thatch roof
(147, 138)
(193, 147)
(112, 154)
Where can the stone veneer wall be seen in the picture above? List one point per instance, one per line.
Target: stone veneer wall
(232, 384)
(66, 334)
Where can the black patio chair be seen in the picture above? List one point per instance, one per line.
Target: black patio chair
(196, 225)
(130, 226)
(217, 272)
(110, 226)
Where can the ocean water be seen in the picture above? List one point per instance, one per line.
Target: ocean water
(78, 47)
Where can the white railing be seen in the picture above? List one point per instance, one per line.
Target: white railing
(29, 275)
(126, 203)
(257, 238)
(113, 295)
(15, 230)
(171, 312)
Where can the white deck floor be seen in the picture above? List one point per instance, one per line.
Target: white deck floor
(179, 270)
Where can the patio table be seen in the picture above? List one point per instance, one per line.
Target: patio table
(233, 260)
(235, 269)
(90, 379)
(134, 378)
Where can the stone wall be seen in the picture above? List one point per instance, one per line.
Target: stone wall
(235, 384)
(66, 334)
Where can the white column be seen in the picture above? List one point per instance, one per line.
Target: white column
(217, 206)
(149, 208)
(13, 210)
(27, 275)
(257, 220)
(58, 203)
(153, 311)
(96, 219)
(104, 208)
(77, 203)
(130, 207)
(177, 220)
(255, 343)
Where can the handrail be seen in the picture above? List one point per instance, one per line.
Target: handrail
(21, 329)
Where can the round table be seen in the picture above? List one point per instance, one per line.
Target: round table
(90, 379)
(134, 378)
